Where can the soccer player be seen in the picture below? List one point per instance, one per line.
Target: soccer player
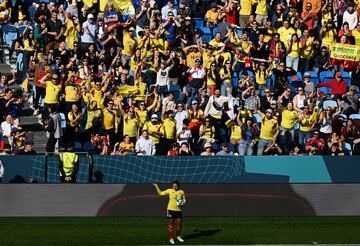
(174, 208)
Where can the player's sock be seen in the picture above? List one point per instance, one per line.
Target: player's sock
(171, 231)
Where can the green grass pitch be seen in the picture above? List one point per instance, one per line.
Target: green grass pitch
(197, 230)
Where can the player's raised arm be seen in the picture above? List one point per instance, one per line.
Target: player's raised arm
(161, 193)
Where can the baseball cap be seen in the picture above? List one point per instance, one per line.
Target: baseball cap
(338, 74)
(154, 116)
(269, 111)
(307, 75)
(272, 102)
(207, 145)
(197, 59)
(131, 29)
(193, 102)
(55, 76)
(187, 18)
(90, 16)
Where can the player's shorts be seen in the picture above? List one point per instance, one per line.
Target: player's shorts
(171, 214)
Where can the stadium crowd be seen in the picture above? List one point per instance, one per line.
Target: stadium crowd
(254, 77)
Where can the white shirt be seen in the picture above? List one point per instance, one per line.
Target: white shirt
(180, 117)
(86, 38)
(197, 73)
(165, 10)
(352, 19)
(162, 77)
(6, 128)
(145, 147)
(184, 136)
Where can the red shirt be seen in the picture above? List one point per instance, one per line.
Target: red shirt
(310, 20)
(337, 88)
(319, 142)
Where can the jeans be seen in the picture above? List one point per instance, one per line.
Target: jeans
(286, 138)
(303, 137)
(304, 64)
(292, 62)
(245, 147)
(223, 89)
(263, 144)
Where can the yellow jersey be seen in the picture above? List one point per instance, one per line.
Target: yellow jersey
(169, 128)
(71, 92)
(174, 195)
(130, 126)
(52, 93)
(356, 35)
(268, 127)
(154, 130)
(110, 119)
(289, 118)
(246, 6)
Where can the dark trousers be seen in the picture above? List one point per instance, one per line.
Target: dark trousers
(40, 92)
(166, 145)
(50, 146)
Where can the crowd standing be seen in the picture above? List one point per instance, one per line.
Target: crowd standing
(245, 81)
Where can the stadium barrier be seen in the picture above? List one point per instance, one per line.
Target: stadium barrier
(23, 200)
(196, 169)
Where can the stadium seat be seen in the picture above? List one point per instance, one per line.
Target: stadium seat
(347, 148)
(330, 103)
(239, 31)
(21, 29)
(215, 30)
(314, 77)
(354, 116)
(235, 79)
(78, 146)
(206, 34)
(325, 90)
(199, 23)
(257, 118)
(10, 33)
(347, 78)
(19, 62)
(326, 75)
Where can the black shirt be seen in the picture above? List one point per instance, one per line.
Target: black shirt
(53, 27)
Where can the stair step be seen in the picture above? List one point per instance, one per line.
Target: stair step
(32, 127)
(28, 120)
(26, 112)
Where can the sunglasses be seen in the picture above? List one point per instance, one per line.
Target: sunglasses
(207, 121)
(180, 106)
(227, 63)
(154, 118)
(142, 104)
(267, 92)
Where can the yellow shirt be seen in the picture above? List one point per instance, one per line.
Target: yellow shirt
(72, 116)
(295, 50)
(110, 119)
(173, 197)
(27, 46)
(130, 44)
(52, 93)
(70, 93)
(207, 60)
(285, 33)
(308, 50)
(191, 56)
(157, 129)
(306, 124)
(97, 95)
(216, 44)
(268, 127)
(212, 16)
(207, 132)
(141, 115)
(261, 8)
(169, 128)
(227, 78)
(261, 76)
(210, 81)
(127, 147)
(326, 17)
(91, 115)
(235, 132)
(356, 35)
(289, 118)
(130, 126)
(246, 6)
(329, 37)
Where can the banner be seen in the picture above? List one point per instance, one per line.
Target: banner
(345, 52)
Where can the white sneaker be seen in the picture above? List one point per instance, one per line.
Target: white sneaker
(172, 241)
(180, 239)
(36, 112)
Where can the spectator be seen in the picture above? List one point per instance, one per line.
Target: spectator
(315, 144)
(225, 150)
(144, 145)
(337, 85)
(27, 150)
(207, 150)
(269, 131)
